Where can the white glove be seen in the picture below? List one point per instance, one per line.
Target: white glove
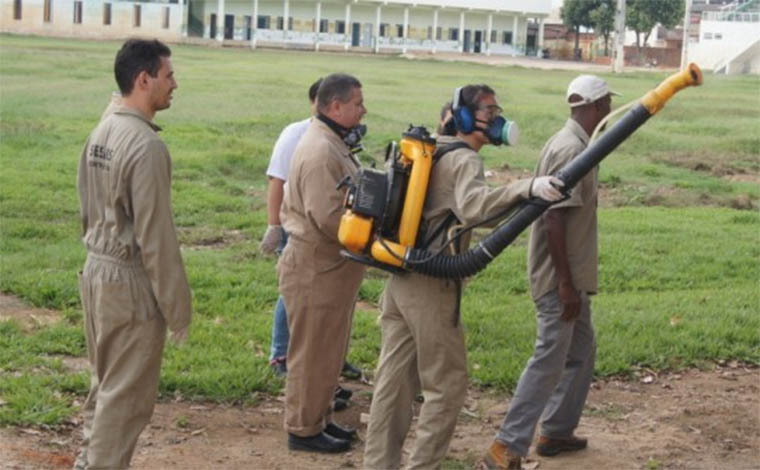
(271, 240)
(545, 187)
(180, 336)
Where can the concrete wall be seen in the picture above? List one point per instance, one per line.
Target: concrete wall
(62, 19)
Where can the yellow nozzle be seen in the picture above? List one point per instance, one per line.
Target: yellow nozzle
(655, 100)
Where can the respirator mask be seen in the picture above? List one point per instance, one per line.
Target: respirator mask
(353, 138)
(500, 131)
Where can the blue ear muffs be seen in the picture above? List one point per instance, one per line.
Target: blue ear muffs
(464, 118)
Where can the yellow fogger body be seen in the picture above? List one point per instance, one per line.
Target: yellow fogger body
(384, 209)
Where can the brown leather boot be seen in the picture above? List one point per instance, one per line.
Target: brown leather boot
(550, 446)
(499, 457)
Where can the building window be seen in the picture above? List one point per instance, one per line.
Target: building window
(280, 23)
(493, 36)
(47, 11)
(507, 37)
(77, 12)
(438, 33)
(708, 36)
(430, 32)
(16, 9)
(718, 36)
(454, 34)
(290, 23)
(399, 31)
(340, 27)
(324, 26)
(138, 19)
(263, 22)
(107, 14)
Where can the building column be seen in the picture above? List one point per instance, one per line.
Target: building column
(220, 20)
(540, 37)
(435, 30)
(488, 34)
(461, 32)
(347, 30)
(285, 15)
(405, 29)
(254, 23)
(515, 26)
(378, 19)
(317, 25)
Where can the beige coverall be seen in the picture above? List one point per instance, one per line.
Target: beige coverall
(318, 285)
(133, 285)
(421, 347)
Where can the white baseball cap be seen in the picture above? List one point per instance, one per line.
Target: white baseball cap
(590, 88)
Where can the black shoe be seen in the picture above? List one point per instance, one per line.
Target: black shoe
(339, 432)
(340, 404)
(343, 393)
(351, 372)
(279, 367)
(321, 442)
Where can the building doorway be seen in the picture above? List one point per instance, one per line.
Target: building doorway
(356, 34)
(478, 42)
(229, 26)
(467, 41)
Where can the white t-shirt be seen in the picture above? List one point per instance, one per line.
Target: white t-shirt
(279, 163)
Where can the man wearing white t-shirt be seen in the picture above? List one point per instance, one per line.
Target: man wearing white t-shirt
(275, 237)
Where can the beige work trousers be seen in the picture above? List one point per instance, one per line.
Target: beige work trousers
(421, 349)
(125, 338)
(319, 293)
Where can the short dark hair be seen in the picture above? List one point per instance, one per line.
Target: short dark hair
(135, 56)
(472, 94)
(313, 89)
(337, 86)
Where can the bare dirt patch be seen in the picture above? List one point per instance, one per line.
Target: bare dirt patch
(29, 318)
(689, 420)
(201, 238)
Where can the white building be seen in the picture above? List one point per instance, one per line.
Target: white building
(512, 27)
(729, 40)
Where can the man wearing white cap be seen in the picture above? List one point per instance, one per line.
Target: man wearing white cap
(562, 265)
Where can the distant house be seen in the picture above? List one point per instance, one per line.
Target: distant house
(513, 27)
(559, 39)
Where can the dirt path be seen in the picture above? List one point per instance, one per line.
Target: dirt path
(692, 420)
(689, 420)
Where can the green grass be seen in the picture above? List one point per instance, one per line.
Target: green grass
(679, 268)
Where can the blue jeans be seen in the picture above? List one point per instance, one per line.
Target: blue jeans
(280, 332)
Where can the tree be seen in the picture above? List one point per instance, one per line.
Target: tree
(603, 19)
(577, 13)
(642, 15)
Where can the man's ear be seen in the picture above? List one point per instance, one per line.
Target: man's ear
(141, 81)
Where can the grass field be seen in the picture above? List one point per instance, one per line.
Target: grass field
(679, 228)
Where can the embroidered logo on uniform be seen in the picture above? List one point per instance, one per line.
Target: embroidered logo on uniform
(99, 155)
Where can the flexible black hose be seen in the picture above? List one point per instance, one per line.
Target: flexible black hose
(476, 259)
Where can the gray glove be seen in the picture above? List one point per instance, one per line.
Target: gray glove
(272, 239)
(545, 187)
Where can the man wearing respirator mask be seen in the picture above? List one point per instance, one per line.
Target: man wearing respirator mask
(423, 346)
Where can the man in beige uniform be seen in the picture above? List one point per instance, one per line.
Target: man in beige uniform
(133, 285)
(318, 285)
(562, 264)
(423, 341)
